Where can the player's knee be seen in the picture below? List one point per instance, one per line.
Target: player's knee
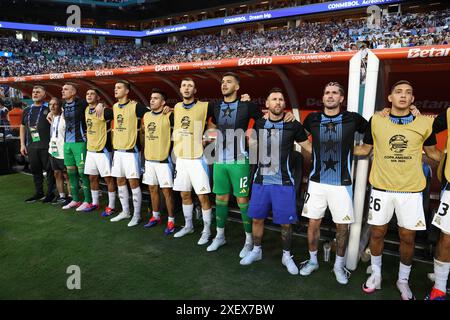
(154, 189)
(242, 200)
(258, 222)
(205, 203)
(58, 174)
(121, 181)
(186, 197)
(223, 197)
(407, 237)
(445, 240)
(167, 192)
(314, 224)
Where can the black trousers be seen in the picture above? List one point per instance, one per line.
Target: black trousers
(39, 162)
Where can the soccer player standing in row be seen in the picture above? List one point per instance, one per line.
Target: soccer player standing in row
(158, 164)
(99, 152)
(231, 168)
(126, 163)
(273, 188)
(191, 169)
(397, 180)
(75, 146)
(330, 183)
(442, 221)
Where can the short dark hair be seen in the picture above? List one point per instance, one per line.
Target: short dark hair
(38, 86)
(234, 75)
(125, 83)
(336, 84)
(73, 85)
(188, 79)
(162, 93)
(400, 83)
(275, 90)
(95, 90)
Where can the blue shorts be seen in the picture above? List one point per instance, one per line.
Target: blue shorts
(280, 199)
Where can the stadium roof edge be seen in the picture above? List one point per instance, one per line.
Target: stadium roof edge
(271, 15)
(325, 57)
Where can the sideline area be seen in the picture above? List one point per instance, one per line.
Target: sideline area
(39, 241)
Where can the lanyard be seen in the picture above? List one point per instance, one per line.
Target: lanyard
(55, 129)
(39, 115)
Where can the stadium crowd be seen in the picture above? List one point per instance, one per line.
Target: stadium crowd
(64, 55)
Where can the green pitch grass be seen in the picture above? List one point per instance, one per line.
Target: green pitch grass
(39, 241)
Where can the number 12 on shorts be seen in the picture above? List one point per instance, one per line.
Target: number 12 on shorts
(243, 182)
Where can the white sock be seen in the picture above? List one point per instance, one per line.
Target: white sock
(156, 215)
(441, 270)
(172, 219)
(62, 195)
(248, 238)
(220, 232)
(187, 212)
(313, 257)
(137, 201)
(403, 272)
(287, 253)
(376, 264)
(339, 263)
(124, 197)
(94, 194)
(257, 249)
(112, 200)
(207, 216)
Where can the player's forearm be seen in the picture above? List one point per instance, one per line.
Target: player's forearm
(307, 146)
(22, 135)
(433, 153)
(362, 150)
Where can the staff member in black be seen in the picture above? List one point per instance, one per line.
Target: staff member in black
(34, 141)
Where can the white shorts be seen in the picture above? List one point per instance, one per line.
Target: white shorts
(192, 173)
(442, 217)
(126, 165)
(408, 207)
(337, 198)
(98, 163)
(157, 173)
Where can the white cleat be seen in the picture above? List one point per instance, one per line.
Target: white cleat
(372, 283)
(342, 275)
(248, 247)
(135, 221)
(121, 216)
(289, 263)
(307, 267)
(83, 206)
(405, 291)
(204, 239)
(184, 231)
(251, 257)
(216, 244)
(72, 204)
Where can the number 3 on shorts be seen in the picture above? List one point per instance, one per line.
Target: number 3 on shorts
(445, 207)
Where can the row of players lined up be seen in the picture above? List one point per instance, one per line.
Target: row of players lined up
(397, 137)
